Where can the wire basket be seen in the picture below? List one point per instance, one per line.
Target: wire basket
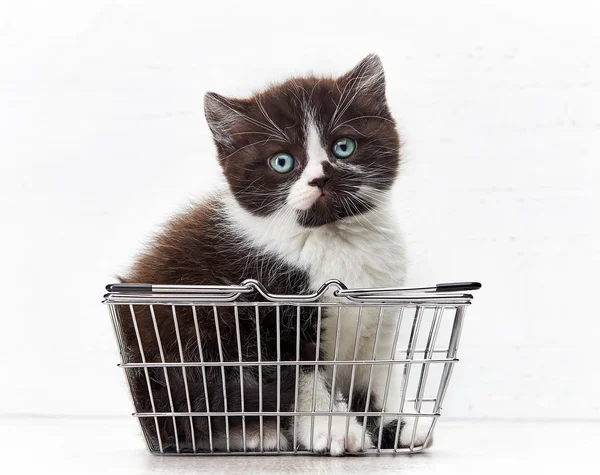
(160, 340)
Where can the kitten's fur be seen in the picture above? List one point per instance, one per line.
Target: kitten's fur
(326, 219)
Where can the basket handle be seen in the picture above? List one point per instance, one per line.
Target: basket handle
(457, 286)
(129, 288)
(174, 289)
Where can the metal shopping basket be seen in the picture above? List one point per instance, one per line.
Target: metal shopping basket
(428, 324)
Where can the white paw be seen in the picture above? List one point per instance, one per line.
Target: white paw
(420, 435)
(250, 440)
(269, 441)
(335, 440)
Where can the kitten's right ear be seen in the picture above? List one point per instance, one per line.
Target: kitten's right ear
(367, 79)
(224, 116)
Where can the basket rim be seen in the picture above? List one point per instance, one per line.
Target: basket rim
(440, 294)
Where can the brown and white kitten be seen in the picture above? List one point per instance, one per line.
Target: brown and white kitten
(309, 164)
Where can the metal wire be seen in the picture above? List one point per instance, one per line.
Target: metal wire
(413, 341)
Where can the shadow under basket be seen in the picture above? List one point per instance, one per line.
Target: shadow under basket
(193, 395)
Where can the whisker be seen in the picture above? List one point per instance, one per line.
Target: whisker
(246, 146)
(363, 117)
(264, 112)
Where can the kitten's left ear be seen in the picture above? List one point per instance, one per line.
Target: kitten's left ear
(225, 116)
(367, 79)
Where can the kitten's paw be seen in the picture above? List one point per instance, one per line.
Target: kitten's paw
(408, 428)
(269, 442)
(335, 440)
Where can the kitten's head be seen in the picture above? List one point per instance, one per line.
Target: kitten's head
(320, 148)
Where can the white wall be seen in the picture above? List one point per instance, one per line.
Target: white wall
(102, 136)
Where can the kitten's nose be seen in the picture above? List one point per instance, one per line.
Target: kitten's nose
(320, 182)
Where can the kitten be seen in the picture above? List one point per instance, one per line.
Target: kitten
(309, 164)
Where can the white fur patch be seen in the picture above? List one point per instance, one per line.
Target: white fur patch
(318, 435)
(365, 250)
(252, 440)
(362, 251)
(302, 195)
(420, 432)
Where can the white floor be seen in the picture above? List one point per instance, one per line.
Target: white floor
(113, 446)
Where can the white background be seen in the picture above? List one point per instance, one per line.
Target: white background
(102, 136)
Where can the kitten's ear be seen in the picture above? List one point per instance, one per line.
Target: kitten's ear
(224, 117)
(367, 79)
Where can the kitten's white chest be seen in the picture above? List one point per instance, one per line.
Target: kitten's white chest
(362, 251)
(360, 254)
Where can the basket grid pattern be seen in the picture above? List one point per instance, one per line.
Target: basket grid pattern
(426, 335)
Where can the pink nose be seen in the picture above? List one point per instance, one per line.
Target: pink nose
(320, 182)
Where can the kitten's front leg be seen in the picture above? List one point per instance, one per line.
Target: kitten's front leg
(336, 440)
(391, 396)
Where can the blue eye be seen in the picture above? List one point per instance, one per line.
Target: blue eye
(344, 147)
(282, 162)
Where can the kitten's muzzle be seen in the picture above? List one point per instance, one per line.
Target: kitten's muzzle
(320, 182)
